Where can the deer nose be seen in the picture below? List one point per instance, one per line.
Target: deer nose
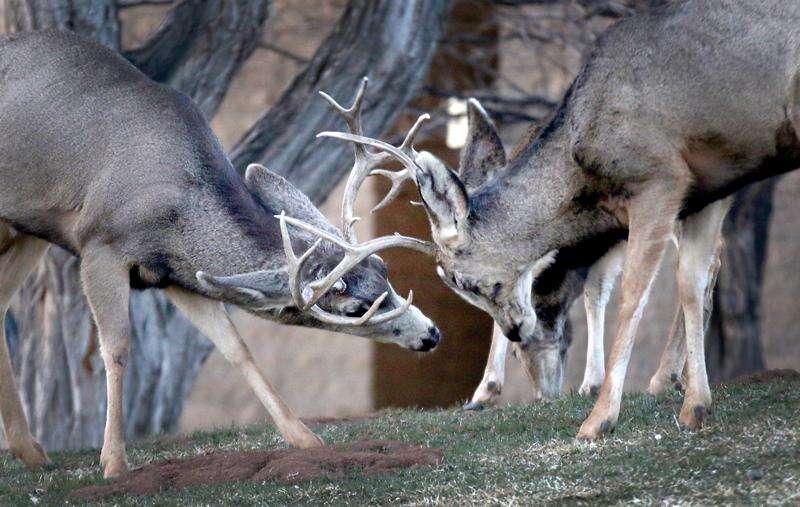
(430, 341)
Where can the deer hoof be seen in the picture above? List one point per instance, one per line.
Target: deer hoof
(693, 417)
(595, 428)
(308, 440)
(114, 466)
(659, 385)
(588, 389)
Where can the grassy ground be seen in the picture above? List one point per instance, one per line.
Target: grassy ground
(749, 453)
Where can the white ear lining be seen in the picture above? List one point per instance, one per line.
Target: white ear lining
(448, 234)
(530, 273)
(538, 266)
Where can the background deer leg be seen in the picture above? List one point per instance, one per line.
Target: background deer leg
(652, 215)
(596, 293)
(18, 257)
(494, 375)
(106, 283)
(672, 358)
(696, 267)
(212, 320)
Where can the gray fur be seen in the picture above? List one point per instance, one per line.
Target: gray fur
(698, 98)
(92, 152)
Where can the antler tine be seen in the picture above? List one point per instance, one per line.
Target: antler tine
(405, 153)
(352, 114)
(295, 264)
(364, 161)
(353, 255)
(408, 143)
(397, 178)
(368, 317)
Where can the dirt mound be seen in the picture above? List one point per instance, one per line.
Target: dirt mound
(358, 459)
(765, 376)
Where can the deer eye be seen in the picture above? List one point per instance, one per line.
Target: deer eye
(340, 287)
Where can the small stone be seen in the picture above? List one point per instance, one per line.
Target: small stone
(657, 436)
(754, 474)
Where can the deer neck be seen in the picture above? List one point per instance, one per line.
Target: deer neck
(541, 193)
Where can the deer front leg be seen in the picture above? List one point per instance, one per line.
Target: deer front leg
(106, 283)
(212, 320)
(652, 219)
(597, 291)
(18, 257)
(697, 268)
(494, 375)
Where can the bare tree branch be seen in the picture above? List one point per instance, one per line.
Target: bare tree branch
(391, 42)
(95, 18)
(201, 45)
(122, 4)
(283, 52)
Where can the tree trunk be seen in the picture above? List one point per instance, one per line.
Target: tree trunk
(198, 50)
(733, 341)
(392, 43)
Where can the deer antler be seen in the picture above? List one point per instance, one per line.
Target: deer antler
(366, 162)
(353, 256)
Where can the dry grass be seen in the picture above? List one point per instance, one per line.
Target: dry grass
(749, 453)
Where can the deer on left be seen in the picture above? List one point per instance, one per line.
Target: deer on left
(127, 175)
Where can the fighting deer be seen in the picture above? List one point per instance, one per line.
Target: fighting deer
(674, 111)
(127, 175)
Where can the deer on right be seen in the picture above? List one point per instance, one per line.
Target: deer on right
(596, 285)
(674, 111)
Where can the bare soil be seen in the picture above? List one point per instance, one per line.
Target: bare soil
(357, 459)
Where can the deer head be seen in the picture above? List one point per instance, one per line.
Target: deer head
(475, 259)
(335, 282)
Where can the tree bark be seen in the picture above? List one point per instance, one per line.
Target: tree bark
(733, 340)
(392, 43)
(198, 50)
(201, 46)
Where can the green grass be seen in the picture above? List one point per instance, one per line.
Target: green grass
(514, 455)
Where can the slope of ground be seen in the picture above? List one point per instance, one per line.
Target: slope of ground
(748, 453)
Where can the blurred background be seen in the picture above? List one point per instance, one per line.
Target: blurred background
(255, 68)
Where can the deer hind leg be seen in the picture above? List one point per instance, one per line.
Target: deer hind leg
(212, 320)
(106, 284)
(671, 370)
(697, 267)
(494, 374)
(596, 293)
(672, 358)
(652, 220)
(18, 257)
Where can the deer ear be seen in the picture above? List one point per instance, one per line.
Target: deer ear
(445, 199)
(278, 194)
(267, 288)
(484, 152)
